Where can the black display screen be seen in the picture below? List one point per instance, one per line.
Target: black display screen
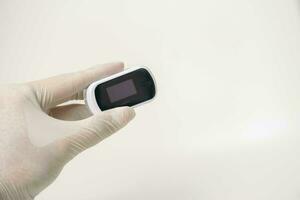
(121, 90)
(127, 90)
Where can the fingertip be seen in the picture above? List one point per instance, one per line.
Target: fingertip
(104, 70)
(129, 111)
(122, 114)
(117, 65)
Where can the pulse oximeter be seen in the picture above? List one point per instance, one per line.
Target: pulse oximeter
(131, 87)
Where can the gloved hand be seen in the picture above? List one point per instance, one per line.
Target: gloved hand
(30, 112)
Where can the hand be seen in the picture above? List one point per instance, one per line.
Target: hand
(30, 112)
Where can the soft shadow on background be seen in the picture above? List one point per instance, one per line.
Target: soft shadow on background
(225, 124)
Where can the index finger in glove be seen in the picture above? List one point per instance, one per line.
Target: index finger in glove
(58, 89)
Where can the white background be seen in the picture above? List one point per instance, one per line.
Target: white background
(225, 124)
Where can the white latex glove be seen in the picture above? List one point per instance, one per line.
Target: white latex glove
(27, 113)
